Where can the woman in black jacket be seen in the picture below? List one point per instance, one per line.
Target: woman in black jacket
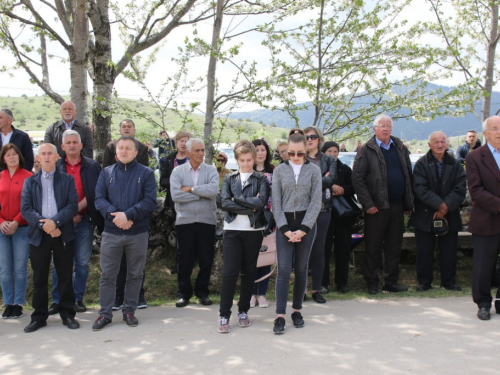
(244, 195)
(340, 231)
(326, 163)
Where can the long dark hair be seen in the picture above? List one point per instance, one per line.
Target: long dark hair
(268, 167)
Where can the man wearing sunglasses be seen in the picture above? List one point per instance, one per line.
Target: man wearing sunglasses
(381, 178)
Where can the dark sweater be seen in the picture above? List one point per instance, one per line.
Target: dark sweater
(395, 177)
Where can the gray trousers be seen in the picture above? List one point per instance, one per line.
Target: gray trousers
(112, 248)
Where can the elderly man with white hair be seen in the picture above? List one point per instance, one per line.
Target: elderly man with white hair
(49, 202)
(439, 189)
(194, 186)
(483, 178)
(382, 181)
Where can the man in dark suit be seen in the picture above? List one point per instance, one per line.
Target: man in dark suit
(49, 202)
(439, 189)
(54, 133)
(9, 134)
(483, 177)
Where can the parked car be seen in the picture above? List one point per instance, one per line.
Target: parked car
(228, 149)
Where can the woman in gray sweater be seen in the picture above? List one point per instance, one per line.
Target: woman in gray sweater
(296, 195)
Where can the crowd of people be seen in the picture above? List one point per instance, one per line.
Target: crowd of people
(50, 217)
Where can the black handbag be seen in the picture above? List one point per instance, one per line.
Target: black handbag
(345, 208)
(440, 227)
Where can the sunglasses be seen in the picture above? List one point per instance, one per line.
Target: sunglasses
(312, 137)
(299, 154)
(221, 160)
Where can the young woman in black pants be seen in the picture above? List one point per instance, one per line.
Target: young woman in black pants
(244, 194)
(340, 231)
(296, 205)
(328, 167)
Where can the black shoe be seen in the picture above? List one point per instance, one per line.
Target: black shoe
(484, 313)
(497, 307)
(205, 301)
(423, 287)
(118, 304)
(318, 297)
(35, 326)
(453, 287)
(7, 314)
(130, 319)
(279, 326)
(372, 289)
(394, 288)
(182, 302)
(71, 323)
(323, 290)
(54, 309)
(101, 322)
(297, 319)
(142, 304)
(17, 312)
(80, 307)
(342, 289)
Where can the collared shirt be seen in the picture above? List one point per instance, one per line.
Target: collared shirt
(49, 206)
(6, 138)
(439, 165)
(69, 125)
(194, 173)
(382, 144)
(74, 170)
(496, 154)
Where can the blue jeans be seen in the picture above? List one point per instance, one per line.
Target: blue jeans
(83, 250)
(14, 251)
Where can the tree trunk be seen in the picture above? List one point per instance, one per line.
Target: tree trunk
(104, 77)
(490, 62)
(211, 83)
(317, 106)
(78, 62)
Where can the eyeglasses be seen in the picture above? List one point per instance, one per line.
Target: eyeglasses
(283, 152)
(312, 137)
(384, 126)
(299, 154)
(493, 130)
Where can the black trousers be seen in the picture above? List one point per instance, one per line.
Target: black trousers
(426, 243)
(484, 264)
(340, 236)
(384, 232)
(194, 242)
(240, 253)
(40, 257)
(121, 279)
(317, 257)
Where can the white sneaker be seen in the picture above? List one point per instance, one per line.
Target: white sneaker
(224, 325)
(263, 301)
(253, 300)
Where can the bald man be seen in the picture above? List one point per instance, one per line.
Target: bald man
(54, 132)
(439, 189)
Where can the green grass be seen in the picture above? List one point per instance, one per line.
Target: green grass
(38, 112)
(161, 284)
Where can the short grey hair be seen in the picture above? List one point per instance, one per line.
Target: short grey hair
(380, 117)
(190, 142)
(54, 148)
(438, 132)
(70, 133)
(485, 123)
(8, 113)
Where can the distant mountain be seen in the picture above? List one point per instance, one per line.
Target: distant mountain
(410, 128)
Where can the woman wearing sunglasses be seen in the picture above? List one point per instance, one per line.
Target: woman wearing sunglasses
(296, 204)
(328, 167)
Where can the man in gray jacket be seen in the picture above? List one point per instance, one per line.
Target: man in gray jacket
(381, 177)
(193, 187)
